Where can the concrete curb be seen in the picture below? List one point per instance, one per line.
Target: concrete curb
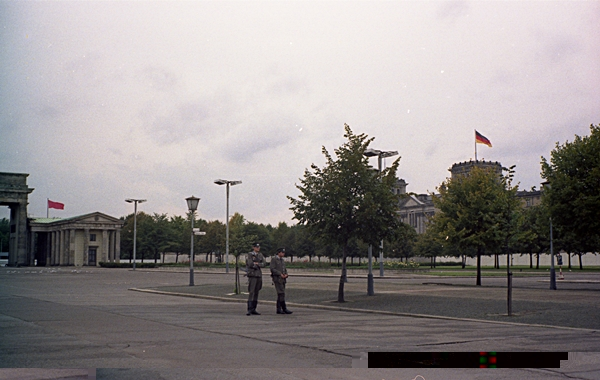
(366, 311)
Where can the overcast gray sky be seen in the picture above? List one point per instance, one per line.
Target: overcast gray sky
(102, 101)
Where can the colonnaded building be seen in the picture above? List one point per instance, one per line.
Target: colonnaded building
(80, 240)
(416, 209)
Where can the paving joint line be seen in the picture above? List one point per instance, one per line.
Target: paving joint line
(366, 311)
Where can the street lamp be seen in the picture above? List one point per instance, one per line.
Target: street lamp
(135, 203)
(192, 203)
(227, 183)
(546, 185)
(380, 154)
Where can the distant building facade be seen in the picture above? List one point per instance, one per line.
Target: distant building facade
(416, 209)
(464, 168)
(530, 198)
(413, 209)
(84, 240)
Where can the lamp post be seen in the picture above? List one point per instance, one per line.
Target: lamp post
(380, 154)
(192, 203)
(546, 185)
(135, 203)
(552, 271)
(227, 183)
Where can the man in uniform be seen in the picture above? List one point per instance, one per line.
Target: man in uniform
(254, 261)
(279, 275)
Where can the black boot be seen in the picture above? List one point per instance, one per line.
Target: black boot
(249, 308)
(253, 311)
(279, 311)
(285, 309)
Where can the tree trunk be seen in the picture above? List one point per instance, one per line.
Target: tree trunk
(478, 282)
(342, 277)
(569, 256)
(464, 261)
(537, 262)
(580, 263)
(530, 260)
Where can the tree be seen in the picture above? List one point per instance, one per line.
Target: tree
(535, 236)
(239, 243)
(180, 229)
(347, 198)
(477, 211)
(573, 198)
(402, 245)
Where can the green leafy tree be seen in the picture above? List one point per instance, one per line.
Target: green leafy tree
(214, 240)
(262, 236)
(239, 243)
(144, 229)
(477, 212)
(402, 245)
(573, 198)
(347, 199)
(179, 243)
(535, 236)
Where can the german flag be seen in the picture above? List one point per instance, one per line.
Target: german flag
(481, 139)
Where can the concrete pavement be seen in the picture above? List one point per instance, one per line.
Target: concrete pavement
(68, 318)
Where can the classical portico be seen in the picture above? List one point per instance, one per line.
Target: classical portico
(14, 193)
(84, 240)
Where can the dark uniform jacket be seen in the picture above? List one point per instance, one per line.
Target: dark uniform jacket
(277, 267)
(254, 261)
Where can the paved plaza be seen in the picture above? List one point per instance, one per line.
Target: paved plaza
(150, 324)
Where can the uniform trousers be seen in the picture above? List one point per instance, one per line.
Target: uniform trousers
(254, 286)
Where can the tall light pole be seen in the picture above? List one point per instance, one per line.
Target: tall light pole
(227, 183)
(135, 203)
(192, 203)
(552, 271)
(380, 154)
(546, 185)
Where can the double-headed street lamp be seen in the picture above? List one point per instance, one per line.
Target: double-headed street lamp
(227, 183)
(192, 203)
(135, 202)
(380, 155)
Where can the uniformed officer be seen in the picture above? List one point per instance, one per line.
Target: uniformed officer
(254, 261)
(279, 275)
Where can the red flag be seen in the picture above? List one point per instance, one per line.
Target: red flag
(481, 139)
(56, 205)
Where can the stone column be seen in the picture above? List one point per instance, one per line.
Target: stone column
(72, 246)
(32, 248)
(61, 247)
(105, 247)
(118, 246)
(86, 245)
(111, 246)
(22, 233)
(48, 247)
(53, 248)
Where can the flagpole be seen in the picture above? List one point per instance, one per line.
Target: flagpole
(475, 145)
(47, 208)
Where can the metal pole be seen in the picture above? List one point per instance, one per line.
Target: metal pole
(192, 252)
(552, 273)
(381, 246)
(134, 231)
(509, 285)
(227, 233)
(370, 289)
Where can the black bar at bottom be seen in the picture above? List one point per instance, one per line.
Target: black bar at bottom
(466, 359)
